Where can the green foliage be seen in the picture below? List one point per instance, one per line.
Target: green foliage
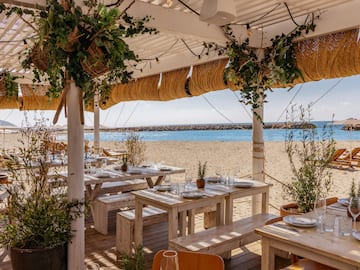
(353, 191)
(10, 86)
(38, 217)
(309, 159)
(133, 262)
(135, 149)
(202, 170)
(255, 70)
(65, 33)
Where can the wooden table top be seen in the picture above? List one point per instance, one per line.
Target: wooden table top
(168, 199)
(344, 248)
(114, 175)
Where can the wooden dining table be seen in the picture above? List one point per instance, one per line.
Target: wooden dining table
(153, 177)
(339, 252)
(176, 206)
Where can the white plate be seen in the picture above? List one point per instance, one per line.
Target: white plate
(163, 188)
(243, 184)
(165, 169)
(299, 221)
(192, 195)
(343, 201)
(134, 171)
(356, 235)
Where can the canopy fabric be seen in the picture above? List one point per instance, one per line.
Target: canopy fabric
(329, 56)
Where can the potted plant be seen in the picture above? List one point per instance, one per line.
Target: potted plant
(124, 165)
(134, 261)
(200, 181)
(84, 43)
(135, 149)
(39, 226)
(309, 159)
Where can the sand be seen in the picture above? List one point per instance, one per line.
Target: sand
(232, 158)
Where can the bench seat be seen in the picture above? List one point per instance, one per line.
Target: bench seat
(125, 226)
(220, 239)
(103, 204)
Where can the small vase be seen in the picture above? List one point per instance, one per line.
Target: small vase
(169, 260)
(124, 167)
(200, 183)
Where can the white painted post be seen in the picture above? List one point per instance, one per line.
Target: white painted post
(258, 160)
(76, 249)
(96, 123)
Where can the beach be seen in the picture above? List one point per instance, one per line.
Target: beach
(232, 158)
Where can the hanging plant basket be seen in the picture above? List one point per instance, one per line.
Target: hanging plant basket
(40, 57)
(72, 41)
(94, 64)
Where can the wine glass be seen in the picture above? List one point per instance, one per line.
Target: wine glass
(169, 260)
(354, 209)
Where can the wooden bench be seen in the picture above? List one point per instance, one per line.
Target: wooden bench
(220, 239)
(102, 205)
(123, 186)
(125, 222)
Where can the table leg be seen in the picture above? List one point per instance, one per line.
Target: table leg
(220, 213)
(138, 223)
(159, 180)
(228, 209)
(267, 255)
(173, 223)
(149, 182)
(191, 221)
(182, 223)
(265, 202)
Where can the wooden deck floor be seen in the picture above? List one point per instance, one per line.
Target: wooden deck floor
(100, 252)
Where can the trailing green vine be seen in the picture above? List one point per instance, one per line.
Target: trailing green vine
(66, 36)
(255, 71)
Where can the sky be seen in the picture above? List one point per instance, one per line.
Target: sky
(338, 97)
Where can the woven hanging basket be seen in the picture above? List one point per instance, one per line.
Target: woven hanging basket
(40, 57)
(94, 64)
(72, 41)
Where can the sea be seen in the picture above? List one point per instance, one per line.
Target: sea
(231, 135)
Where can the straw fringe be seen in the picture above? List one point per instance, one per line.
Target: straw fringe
(208, 77)
(173, 84)
(142, 89)
(330, 56)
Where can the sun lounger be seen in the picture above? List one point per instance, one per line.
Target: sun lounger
(339, 161)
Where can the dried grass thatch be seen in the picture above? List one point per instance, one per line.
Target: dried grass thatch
(142, 89)
(173, 84)
(34, 98)
(329, 56)
(208, 77)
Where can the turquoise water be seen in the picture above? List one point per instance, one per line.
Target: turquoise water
(222, 135)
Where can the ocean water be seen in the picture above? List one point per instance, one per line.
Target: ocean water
(224, 135)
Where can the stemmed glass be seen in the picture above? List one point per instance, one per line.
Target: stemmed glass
(354, 209)
(169, 260)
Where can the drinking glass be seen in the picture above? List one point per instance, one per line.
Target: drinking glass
(169, 260)
(354, 209)
(188, 186)
(320, 206)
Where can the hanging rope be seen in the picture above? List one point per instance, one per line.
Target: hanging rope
(327, 92)
(120, 113)
(218, 111)
(245, 109)
(127, 120)
(291, 100)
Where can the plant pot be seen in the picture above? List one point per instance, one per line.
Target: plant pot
(33, 259)
(4, 179)
(200, 183)
(94, 63)
(289, 209)
(124, 167)
(40, 57)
